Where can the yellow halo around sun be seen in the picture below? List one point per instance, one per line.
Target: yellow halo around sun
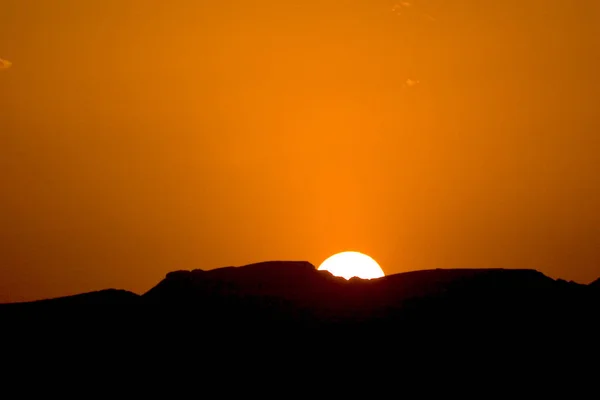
(350, 264)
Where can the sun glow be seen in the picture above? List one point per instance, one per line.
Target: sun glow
(350, 264)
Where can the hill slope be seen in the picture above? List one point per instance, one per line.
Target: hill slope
(288, 292)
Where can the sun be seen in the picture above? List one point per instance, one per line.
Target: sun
(350, 264)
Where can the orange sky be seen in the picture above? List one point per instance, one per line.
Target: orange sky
(139, 137)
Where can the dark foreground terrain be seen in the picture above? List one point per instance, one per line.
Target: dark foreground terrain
(282, 294)
(288, 314)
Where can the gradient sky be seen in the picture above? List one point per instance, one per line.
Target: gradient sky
(139, 137)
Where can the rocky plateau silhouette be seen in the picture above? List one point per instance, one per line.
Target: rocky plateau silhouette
(296, 293)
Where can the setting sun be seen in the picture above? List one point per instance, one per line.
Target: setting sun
(352, 264)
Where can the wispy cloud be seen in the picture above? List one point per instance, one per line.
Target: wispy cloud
(398, 7)
(402, 6)
(4, 64)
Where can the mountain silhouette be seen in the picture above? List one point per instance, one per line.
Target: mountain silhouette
(288, 313)
(101, 297)
(290, 292)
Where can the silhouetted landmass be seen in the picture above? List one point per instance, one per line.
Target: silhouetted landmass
(287, 315)
(295, 293)
(101, 297)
